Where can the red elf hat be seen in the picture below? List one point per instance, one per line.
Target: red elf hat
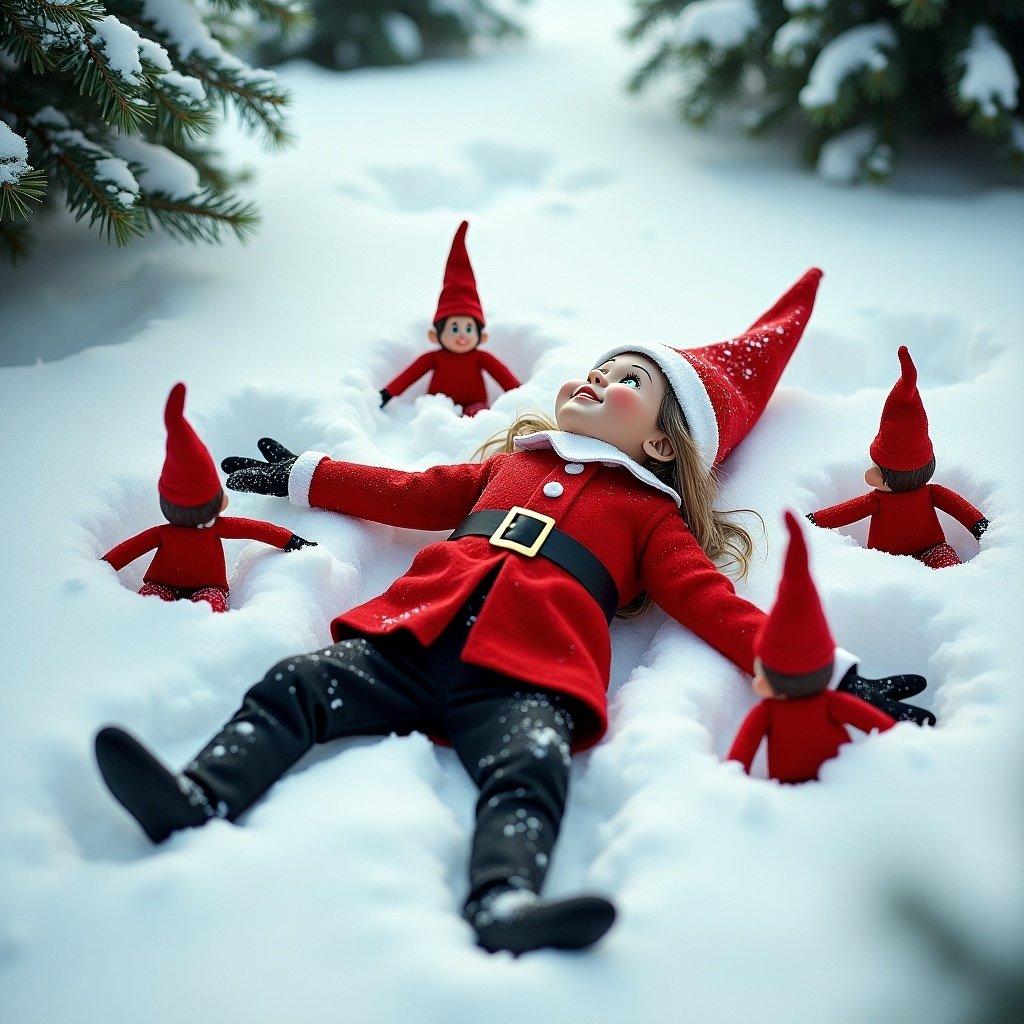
(795, 638)
(458, 293)
(189, 476)
(902, 442)
(724, 388)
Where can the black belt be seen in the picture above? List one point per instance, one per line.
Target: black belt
(530, 533)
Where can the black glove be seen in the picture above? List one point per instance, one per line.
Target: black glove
(255, 477)
(295, 542)
(888, 695)
(979, 527)
(385, 397)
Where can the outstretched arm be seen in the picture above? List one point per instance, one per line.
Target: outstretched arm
(236, 528)
(959, 508)
(411, 374)
(846, 512)
(438, 498)
(682, 580)
(434, 499)
(134, 547)
(849, 710)
(506, 379)
(748, 739)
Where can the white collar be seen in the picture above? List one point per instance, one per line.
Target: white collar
(579, 448)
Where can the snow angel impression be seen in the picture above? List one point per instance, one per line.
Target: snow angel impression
(496, 639)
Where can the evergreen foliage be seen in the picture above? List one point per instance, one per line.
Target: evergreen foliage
(860, 75)
(356, 33)
(110, 103)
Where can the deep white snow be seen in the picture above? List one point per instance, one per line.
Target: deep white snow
(595, 218)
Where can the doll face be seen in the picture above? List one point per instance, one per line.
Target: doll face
(760, 685)
(618, 402)
(459, 334)
(873, 478)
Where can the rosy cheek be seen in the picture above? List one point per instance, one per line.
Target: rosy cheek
(624, 400)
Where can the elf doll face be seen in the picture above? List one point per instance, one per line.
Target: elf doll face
(458, 334)
(873, 478)
(760, 685)
(619, 403)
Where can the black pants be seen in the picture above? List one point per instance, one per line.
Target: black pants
(513, 740)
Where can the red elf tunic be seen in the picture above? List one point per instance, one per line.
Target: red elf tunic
(803, 733)
(902, 523)
(193, 557)
(538, 623)
(459, 375)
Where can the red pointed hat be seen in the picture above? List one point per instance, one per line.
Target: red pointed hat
(189, 476)
(795, 638)
(902, 442)
(458, 293)
(724, 388)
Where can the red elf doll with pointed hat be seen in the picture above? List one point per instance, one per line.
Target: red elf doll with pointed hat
(795, 660)
(903, 503)
(496, 638)
(189, 562)
(457, 365)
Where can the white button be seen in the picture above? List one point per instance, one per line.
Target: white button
(573, 468)
(553, 489)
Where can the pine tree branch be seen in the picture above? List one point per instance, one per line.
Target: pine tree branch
(22, 37)
(205, 216)
(127, 109)
(15, 196)
(288, 17)
(88, 172)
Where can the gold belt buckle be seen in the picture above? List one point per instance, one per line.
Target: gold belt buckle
(513, 545)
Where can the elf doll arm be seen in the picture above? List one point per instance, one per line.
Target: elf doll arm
(409, 375)
(682, 580)
(849, 710)
(505, 378)
(846, 512)
(748, 739)
(236, 528)
(134, 547)
(959, 508)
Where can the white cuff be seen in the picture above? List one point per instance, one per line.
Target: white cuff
(842, 662)
(301, 477)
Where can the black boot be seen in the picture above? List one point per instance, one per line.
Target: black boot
(160, 801)
(517, 921)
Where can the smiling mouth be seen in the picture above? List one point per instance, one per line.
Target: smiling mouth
(588, 393)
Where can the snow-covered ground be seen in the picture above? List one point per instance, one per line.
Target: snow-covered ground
(595, 218)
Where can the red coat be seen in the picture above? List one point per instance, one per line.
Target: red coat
(903, 523)
(803, 733)
(538, 623)
(459, 375)
(193, 557)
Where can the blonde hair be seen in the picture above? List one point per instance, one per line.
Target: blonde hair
(720, 537)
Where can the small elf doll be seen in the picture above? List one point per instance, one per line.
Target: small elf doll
(796, 660)
(902, 505)
(457, 366)
(496, 639)
(189, 561)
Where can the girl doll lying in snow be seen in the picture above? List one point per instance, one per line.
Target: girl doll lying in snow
(496, 639)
